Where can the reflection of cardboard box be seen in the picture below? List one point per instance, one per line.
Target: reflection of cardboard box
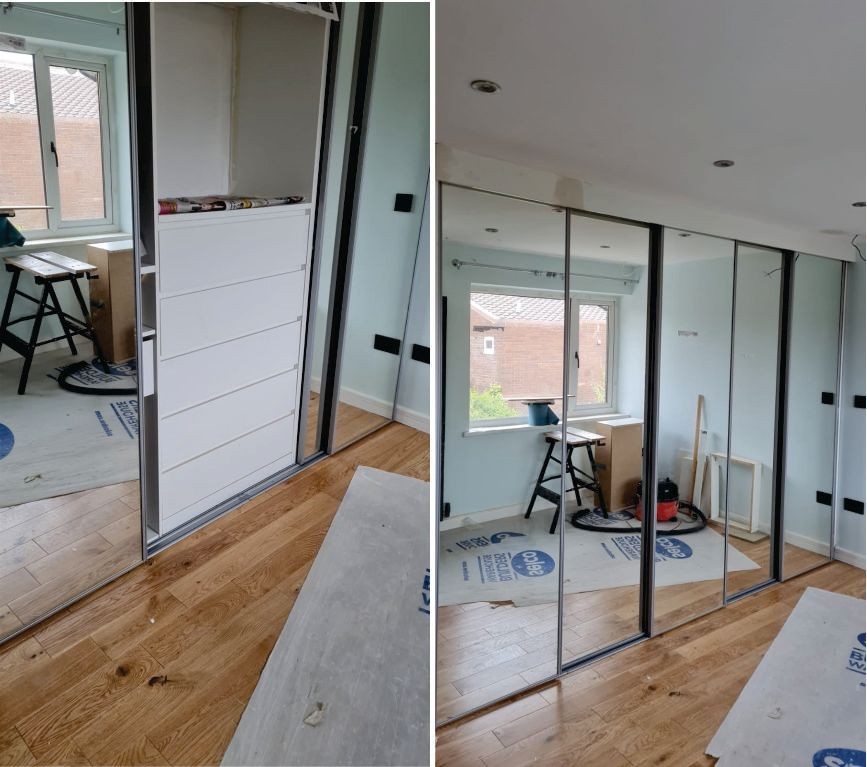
(112, 298)
(621, 456)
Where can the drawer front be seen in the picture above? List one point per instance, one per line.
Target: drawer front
(193, 432)
(200, 376)
(221, 470)
(217, 253)
(197, 320)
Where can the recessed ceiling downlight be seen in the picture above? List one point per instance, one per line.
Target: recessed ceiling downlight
(491, 229)
(723, 163)
(485, 86)
(605, 246)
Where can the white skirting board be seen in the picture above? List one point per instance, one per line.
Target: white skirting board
(515, 560)
(804, 704)
(849, 557)
(347, 682)
(54, 442)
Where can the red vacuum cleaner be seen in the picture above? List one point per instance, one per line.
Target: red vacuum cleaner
(666, 500)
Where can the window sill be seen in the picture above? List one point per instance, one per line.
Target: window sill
(523, 428)
(58, 242)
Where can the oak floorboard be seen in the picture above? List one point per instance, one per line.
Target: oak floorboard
(206, 653)
(658, 702)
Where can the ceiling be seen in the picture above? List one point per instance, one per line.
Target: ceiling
(645, 96)
(527, 227)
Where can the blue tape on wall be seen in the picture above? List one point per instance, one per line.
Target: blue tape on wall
(7, 441)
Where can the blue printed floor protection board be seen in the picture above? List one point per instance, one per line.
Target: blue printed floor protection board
(804, 703)
(514, 559)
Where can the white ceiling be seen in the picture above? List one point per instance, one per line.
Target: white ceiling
(527, 227)
(646, 95)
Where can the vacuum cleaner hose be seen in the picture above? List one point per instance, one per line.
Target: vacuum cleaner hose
(70, 370)
(698, 518)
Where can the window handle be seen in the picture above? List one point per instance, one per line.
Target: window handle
(577, 359)
(54, 152)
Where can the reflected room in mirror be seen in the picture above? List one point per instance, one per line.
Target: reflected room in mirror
(69, 430)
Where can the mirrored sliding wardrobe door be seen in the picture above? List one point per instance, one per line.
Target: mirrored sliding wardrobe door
(70, 515)
(608, 276)
(754, 376)
(812, 413)
(387, 222)
(695, 357)
(502, 277)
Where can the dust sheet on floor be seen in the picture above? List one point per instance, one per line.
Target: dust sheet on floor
(804, 704)
(514, 560)
(53, 441)
(347, 682)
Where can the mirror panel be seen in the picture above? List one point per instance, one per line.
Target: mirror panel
(811, 420)
(320, 293)
(387, 225)
(748, 476)
(70, 514)
(602, 535)
(502, 279)
(692, 445)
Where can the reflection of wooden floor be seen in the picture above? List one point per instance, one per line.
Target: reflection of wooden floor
(52, 550)
(657, 703)
(486, 651)
(157, 667)
(352, 422)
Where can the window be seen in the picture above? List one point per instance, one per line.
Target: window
(527, 333)
(54, 143)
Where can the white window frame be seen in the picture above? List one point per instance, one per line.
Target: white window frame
(577, 299)
(43, 59)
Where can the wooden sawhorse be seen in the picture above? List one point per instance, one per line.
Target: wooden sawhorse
(581, 480)
(47, 269)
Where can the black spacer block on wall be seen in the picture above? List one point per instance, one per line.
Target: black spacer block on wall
(827, 398)
(386, 344)
(859, 401)
(447, 510)
(857, 507)
(403, 202)
(421, 353)
(823, 498)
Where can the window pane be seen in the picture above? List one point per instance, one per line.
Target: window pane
(75, 96)
(21, 180)
(593, 354)
(516, 354)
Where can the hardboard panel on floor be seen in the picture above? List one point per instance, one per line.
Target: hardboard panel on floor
(347, 682)
(805, 701)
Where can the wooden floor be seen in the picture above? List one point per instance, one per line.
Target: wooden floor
(352, 422)
(53, 549)
(488, 650)
(157, 667)
(659, 702)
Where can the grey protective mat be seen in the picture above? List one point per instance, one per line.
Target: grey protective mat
(804, 704)
(54, 442)
(347, 682)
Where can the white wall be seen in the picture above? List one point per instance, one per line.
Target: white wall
(850, 526)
